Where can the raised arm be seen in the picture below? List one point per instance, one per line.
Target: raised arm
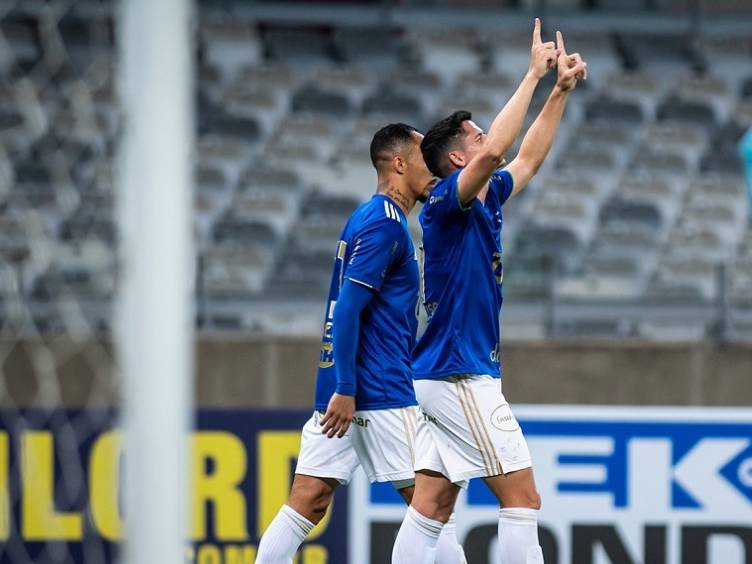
(507, 124)
(539, 138)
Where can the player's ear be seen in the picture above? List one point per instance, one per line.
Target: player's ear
(399, 164)
(457, 159)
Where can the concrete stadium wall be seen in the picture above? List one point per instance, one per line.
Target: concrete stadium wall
(280, 372)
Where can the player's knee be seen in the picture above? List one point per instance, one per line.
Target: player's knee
(311, 499)
(438, 508)
(534, 500)
(531, 499)
(319, 506)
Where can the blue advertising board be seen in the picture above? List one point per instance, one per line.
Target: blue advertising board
(620, 485)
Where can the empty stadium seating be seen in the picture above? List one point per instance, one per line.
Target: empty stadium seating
(642, 198)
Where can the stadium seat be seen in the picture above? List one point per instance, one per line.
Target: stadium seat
(310, 99)
(447, 55)
(377, 49)
(634, 212)
(233, 231)
(229, 46)
(676, 109)
(605, 109)
(352, 81)
(297, 46)
(235, 273)
(391, 105)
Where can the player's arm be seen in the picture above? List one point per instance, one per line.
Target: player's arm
(507, 124)
(353, 299)
(539, 138)
(368, 264)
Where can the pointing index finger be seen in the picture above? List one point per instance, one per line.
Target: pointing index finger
(560, 42)
(537, 32)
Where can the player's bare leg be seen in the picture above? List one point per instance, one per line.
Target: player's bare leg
(308, 501)
(519, 503)
(431, 507)
(448, 548)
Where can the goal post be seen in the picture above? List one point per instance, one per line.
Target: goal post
(154, 335)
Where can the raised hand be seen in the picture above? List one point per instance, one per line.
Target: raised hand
(571, 68)
(542, 55)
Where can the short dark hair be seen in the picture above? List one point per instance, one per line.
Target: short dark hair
(388, 140)
(439, 139)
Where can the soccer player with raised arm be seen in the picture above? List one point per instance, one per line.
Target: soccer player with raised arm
(365, 375)
(471, 429)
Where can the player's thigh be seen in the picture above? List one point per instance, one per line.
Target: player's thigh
(515, 489)
(384, 441)
(322, 457)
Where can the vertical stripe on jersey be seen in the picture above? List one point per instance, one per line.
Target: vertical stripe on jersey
(395, 214)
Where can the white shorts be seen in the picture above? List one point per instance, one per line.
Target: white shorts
(381, 441)
(472, 431)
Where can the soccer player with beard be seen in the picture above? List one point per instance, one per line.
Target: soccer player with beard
(471, 431)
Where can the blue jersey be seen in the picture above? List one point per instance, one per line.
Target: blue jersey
(375, 250)
(462, 281)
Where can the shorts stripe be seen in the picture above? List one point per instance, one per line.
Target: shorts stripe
(410, 416)
(408, 434)
(472, 424)
(483, 429)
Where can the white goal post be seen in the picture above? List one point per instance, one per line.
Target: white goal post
(155, 306)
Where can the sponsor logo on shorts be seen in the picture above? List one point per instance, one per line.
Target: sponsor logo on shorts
(503, 420)
(429, 418)
(361, 421)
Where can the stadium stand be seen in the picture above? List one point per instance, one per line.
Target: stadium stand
(642, 200)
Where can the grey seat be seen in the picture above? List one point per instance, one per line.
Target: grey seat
(396, 105)
(327, 205)
(87, 223)
(264, 177)
(311, 99)
(300, 273)
(242, 128)
(651, 162)
(557, 246)
(232, 230)
(634, 212)
(745, 91)
(675, 109)
(725, 162)
(377, 48)
(605, 109)
(297, 46)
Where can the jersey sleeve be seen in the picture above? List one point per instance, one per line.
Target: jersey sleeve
(502, 183)
(444, 201)
(375, 249)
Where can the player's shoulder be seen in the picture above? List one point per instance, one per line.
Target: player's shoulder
(378, 214)
(441, 192)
